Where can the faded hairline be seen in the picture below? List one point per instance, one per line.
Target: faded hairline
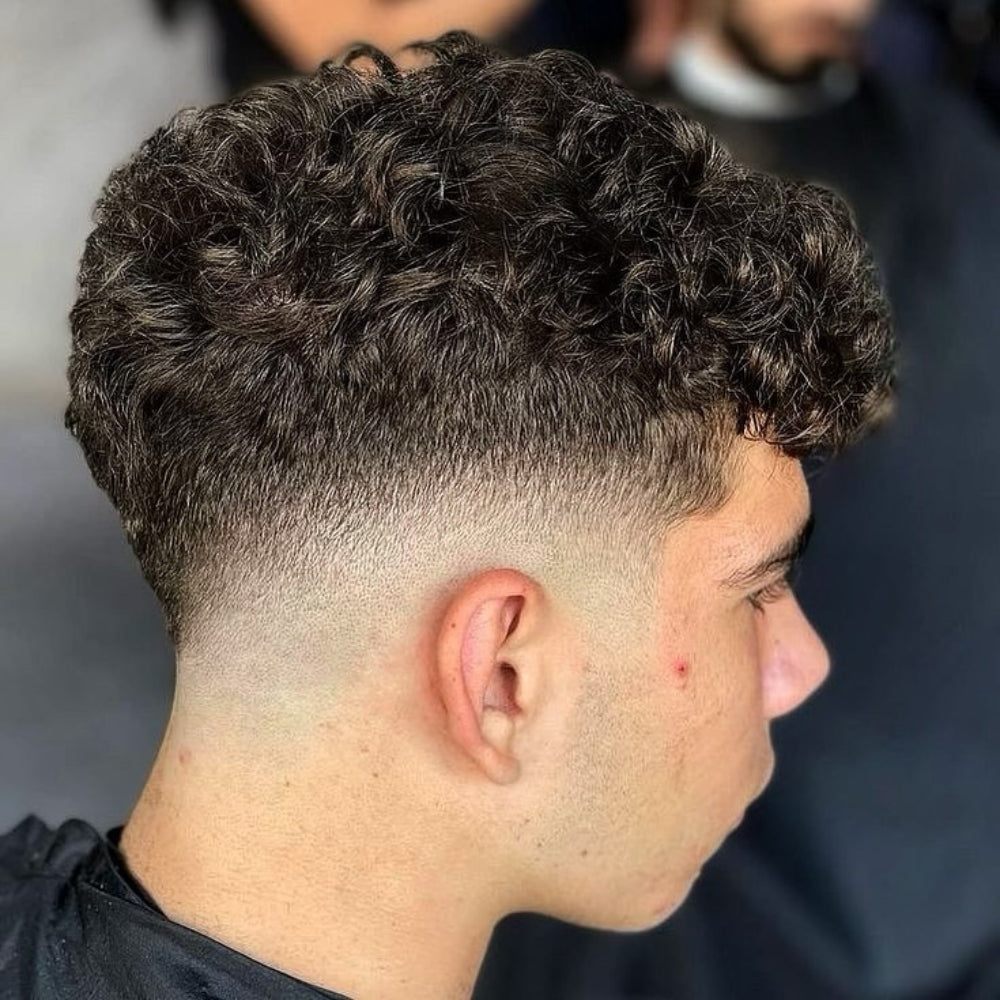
(337, 570)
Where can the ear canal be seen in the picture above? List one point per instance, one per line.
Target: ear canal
(501, 694)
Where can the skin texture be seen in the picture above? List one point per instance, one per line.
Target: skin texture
(788, 40)
(666, 760)
(513, 750)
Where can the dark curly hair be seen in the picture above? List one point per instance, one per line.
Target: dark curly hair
(337, 294)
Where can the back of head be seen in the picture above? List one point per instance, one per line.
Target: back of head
(346, 318)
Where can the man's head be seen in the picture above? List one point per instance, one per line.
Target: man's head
(455, 417)
(790, 40)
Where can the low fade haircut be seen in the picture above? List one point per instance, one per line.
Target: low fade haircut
(504, 284)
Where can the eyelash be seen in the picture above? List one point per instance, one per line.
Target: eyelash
(769, 594)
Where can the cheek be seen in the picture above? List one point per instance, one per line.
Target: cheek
(714, 699)
(665, 762)
(679, 669)
(717, 673)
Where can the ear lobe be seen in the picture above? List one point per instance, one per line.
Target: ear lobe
(477, 674)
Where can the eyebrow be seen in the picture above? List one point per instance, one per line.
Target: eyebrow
(781, 561)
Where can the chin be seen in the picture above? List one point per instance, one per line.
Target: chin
(649, 909)
(663, 908)
(632, 911)
(766, 776)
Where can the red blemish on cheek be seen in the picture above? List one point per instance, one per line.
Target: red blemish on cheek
(184, 756)
(681, 668)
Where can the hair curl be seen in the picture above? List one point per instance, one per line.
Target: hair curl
(482, 264)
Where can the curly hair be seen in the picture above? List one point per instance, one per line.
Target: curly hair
(302, 298)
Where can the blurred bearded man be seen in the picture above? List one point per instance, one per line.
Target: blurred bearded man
(456, 416)
(770, 60)
(790, 41)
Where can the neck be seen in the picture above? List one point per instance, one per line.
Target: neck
(341, 876)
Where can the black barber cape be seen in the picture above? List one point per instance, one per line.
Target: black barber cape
(75, 924)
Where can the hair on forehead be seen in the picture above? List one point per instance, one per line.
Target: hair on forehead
(343, 298)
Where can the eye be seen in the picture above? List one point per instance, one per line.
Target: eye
(759, 599)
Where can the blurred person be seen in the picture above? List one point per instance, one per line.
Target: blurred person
(457, 423)
(869, 870)
(788, 41)
(264, 40)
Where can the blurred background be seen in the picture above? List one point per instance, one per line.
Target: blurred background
(869, 869)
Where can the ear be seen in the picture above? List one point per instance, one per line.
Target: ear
(485, 645)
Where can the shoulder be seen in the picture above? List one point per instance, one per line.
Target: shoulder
(36, 866)
(32, 848)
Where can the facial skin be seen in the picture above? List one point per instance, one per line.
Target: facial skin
(670, 739)
(529, 741)
(792, 40)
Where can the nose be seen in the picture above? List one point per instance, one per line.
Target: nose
(795, 661)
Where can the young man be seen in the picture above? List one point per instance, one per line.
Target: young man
(455, 416)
